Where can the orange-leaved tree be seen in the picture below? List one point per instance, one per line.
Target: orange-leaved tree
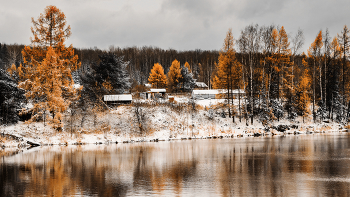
(303, 88)
(314, 53)
(174, 75)
(228, 70)
(47, 65)
(157, 77)
(187, 65)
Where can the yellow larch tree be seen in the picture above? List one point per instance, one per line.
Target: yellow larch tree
(228, 69)
(303, 88)
(314, 53)
(157, 77)
(187, 65)
(280, 58)
(174, 76)
(284, 54)
(47, 65)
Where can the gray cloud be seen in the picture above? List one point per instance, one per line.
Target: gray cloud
(178, 24)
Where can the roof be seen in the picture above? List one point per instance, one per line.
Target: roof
(157, 90)
(236, 91)
(118, 97)
(217, 91)
(201, 85)
(205, 92)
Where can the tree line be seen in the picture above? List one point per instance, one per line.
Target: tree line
(281, 81)
(278, 79)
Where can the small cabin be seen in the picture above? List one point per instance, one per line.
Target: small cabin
(204, 94)
(118, 99)
(156, 93)
(216, 93)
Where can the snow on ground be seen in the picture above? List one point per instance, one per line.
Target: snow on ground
(162, 121)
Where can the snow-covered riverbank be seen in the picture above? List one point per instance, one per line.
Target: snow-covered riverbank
(159, 123)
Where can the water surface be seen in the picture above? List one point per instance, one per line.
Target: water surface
(304, 165)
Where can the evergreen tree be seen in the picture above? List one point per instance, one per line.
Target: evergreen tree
(3, 56)
(111, 74)
(187, 81)
(11, 98)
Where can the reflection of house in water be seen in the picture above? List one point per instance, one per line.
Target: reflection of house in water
(117, 99)
(156, 94)
(216, 93)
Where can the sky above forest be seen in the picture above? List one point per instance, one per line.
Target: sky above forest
(176, 24)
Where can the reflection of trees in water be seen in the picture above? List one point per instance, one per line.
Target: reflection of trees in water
(149, 177)
(243, 167)
(61, 175)
(10, 185)
(277, 166)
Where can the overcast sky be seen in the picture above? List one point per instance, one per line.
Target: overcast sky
(176, 24)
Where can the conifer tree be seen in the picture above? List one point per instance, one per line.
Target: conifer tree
(157, 77)
(187, 80)
(228, 70)
(314, 53)
(187, 65)
(334, 79)
(284, 54)
(111, 74)
(303, 98)
(344, 42)
(11, 98)
(174, 76)
(47, 65)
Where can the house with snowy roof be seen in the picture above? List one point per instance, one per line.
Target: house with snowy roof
(156, 93)
(117, 99)
(216, 93)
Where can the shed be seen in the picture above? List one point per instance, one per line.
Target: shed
(216, 93)
(156, 93)
(204, 94)
(118, 99)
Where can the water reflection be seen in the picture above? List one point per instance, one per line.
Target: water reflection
(312, 165)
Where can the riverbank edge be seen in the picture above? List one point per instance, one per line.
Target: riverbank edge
(24, 142)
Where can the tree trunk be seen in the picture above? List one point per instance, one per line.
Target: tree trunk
(251, 89)
(313, 92)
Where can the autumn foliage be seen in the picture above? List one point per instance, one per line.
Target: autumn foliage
(157, 77)
(228, 70)
(187, 65)
(174, 75)
(47, 65)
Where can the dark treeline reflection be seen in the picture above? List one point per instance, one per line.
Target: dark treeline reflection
(311, 165)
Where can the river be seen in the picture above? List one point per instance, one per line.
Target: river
(301, 165)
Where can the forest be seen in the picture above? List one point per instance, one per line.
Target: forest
(279, 79)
